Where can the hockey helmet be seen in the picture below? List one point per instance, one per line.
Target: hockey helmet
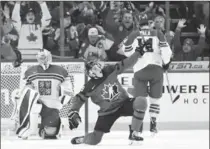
(44, 57)
(94, 69)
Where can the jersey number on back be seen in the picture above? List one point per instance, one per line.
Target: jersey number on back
(45, 87)
(149, 46)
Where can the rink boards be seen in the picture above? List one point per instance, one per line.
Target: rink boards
(188, 108)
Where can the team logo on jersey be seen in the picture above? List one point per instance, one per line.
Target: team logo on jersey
(45, 87)
(110, 92)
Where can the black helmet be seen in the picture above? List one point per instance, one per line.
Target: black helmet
(89, 65)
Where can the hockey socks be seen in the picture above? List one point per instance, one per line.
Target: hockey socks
(154, 111)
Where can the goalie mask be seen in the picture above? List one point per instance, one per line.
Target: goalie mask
(94, 69)
(44, 58)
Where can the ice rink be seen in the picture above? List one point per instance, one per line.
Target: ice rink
(178, 139)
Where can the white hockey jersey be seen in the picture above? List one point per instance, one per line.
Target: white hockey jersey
(49, 83)
(161, 53)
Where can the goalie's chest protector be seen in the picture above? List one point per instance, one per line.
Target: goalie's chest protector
(107, 92)
(47, 82)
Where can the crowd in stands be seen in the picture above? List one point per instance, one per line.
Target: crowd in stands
(98, 29)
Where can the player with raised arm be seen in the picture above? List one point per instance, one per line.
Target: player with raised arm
(105, 91)
(46, 89)
(149, 68)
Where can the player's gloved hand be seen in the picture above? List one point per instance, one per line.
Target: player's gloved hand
(166, 66)
(19, 60)
(74, 119)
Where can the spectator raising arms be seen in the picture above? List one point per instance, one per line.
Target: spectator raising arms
(96, 45)
(30, 30)
(189, 51)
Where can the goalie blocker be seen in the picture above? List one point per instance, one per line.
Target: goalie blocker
(29, 110)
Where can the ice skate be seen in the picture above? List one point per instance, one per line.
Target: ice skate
(134, 136)
(77, 140)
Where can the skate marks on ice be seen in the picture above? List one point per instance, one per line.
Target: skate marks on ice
(191, 139)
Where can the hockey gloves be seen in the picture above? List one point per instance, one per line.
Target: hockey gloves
(166, 66)
(18, 60)
(74, 119)
(144, 46)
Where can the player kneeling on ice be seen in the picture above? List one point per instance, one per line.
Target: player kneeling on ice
(105, 91)
(47, 88)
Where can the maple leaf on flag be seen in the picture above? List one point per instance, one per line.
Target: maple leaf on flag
(32, 37)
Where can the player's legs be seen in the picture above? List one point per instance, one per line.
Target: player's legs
(155, 93)
(50, 123)
(103, 125)
(139, 109)
(129, 109)
(140, 82)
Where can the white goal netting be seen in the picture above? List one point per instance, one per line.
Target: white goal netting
(10, 81)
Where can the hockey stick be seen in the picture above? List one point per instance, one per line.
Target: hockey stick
(169, 86)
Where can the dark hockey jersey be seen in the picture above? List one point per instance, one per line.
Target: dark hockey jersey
(106, 92)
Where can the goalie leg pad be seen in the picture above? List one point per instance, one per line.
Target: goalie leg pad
(27, 105)
(50, 121)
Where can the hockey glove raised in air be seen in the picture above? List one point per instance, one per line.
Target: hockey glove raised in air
(74, 119)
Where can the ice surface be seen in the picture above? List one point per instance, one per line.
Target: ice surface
(189, 139)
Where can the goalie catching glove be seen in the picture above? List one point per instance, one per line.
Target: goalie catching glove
(74, 119)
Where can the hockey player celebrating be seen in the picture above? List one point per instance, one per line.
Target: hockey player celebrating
(47, 88)
(105, 91)
(150, 67)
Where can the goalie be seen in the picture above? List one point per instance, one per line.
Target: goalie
(47, 88)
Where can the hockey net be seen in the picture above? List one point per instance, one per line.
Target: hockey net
(11, 79)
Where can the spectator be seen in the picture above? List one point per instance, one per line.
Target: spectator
(8, 28)
(7, 51)
(51, 34)
(120, 33)
(96, 45)
(84, 12)
(189, 51)
(74, 42)
(170, 39)
(202, 12)
(30, 31)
